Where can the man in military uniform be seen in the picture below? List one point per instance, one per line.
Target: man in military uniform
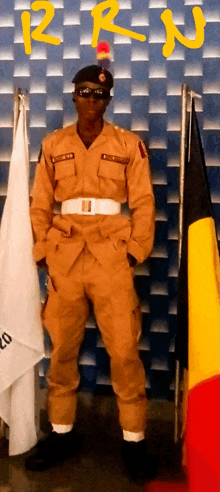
(90, 248)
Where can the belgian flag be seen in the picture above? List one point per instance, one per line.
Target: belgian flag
(197, 340)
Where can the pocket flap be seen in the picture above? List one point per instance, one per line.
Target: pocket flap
(112, 170)
(65, 168)
(62, 257)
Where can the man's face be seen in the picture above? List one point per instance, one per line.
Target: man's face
(90, 108)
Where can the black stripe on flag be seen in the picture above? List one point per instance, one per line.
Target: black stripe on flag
(196, 205)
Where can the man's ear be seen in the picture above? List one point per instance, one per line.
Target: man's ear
(73, 97)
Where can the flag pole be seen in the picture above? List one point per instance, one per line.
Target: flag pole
(17, 92)
(181, 189)
(185, 93)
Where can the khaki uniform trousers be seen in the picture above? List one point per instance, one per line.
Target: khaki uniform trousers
(118, 316)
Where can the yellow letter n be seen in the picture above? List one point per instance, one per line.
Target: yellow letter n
(105, 22)
(173, 32)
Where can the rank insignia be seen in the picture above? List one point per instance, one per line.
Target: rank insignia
(142, 148)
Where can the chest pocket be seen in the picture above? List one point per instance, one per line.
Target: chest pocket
(64, 169)
(112, 177)
(112, 170)
(65, 176)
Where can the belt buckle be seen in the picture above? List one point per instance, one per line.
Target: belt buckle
(87, 206)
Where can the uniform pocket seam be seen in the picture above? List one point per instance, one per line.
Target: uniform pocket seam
(64, 169)
(112, 170)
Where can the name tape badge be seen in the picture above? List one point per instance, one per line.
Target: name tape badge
(63, 157)
(115, 158)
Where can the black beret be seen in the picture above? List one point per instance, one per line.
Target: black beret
(95, 74)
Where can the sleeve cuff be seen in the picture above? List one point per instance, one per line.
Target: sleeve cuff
(39, 250)
(135, 250)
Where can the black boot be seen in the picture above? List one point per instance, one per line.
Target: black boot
(137, 460)
(53, 449)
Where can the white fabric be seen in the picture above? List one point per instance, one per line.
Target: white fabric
(61, 428)
(104, 206)
(133, 436)
(21, 336)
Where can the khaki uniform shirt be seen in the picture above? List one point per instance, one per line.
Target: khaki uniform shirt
(115, 166)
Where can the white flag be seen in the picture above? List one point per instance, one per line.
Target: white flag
(21, 336)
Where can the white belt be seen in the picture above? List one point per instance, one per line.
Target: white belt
(90, 206)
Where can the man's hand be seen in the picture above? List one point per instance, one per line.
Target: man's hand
(131, 260)
(42, 264)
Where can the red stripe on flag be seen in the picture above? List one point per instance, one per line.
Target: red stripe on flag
(160, 486)
(202, 436)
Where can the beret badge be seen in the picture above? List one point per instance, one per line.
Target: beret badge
(102, 77)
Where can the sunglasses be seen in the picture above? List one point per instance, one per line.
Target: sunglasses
(99, 93)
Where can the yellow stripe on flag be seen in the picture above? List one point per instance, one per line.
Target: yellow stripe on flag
(203, 298)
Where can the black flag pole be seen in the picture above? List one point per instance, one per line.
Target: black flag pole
(185, 142)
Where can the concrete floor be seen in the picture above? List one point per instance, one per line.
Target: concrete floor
(99, 466)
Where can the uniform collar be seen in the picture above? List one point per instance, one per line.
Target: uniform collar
(102, 137)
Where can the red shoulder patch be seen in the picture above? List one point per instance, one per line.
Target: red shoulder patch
(142, 148)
